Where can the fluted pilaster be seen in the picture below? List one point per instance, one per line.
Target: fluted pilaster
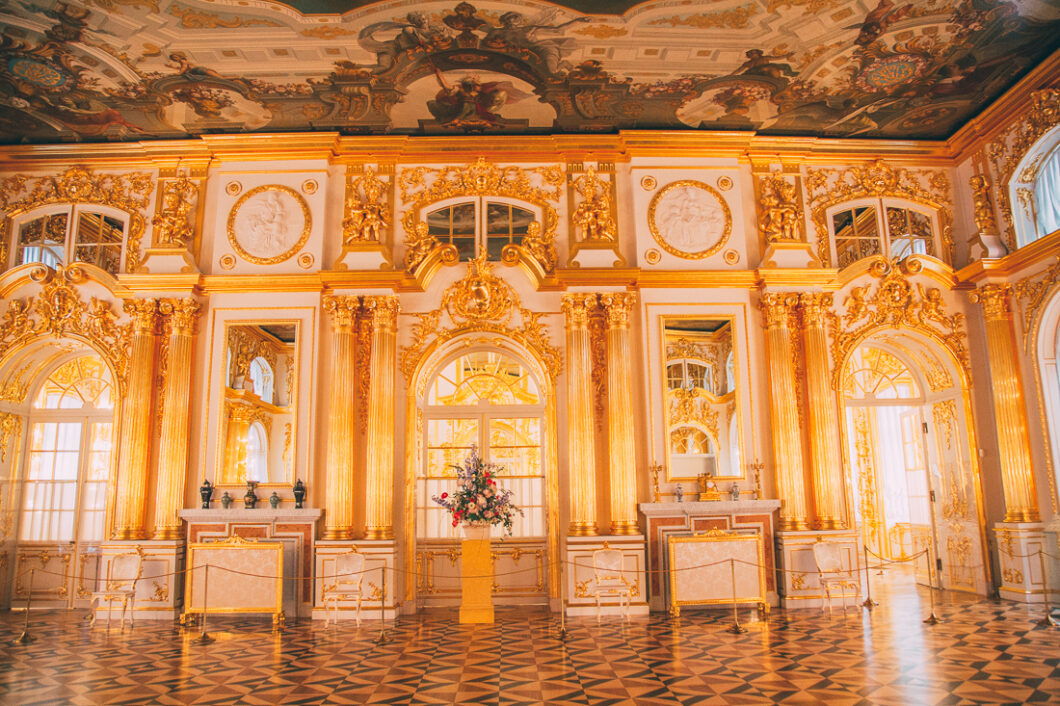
(338, 503)
(1010, 411)
(135, 435)
(581, 443)
(380, 440)
(784, 411)
(825, 463)
(622, 450)
(182, 317)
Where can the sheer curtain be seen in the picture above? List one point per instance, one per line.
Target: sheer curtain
(1047, 195)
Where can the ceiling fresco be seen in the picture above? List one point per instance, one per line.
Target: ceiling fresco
(99, 70)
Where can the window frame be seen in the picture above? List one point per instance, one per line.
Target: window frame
(481, 202)
(73, 211)
(880, 204)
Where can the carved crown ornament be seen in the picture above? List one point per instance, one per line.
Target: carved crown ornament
(481, 301)
(895, 303)
(876, 179)
(126, 192)
(60, 312)
(422, 186)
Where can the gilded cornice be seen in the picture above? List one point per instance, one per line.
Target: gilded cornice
(1013, 264)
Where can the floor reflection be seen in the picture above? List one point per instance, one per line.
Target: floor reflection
(984, 652)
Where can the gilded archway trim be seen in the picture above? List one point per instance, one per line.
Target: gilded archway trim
(129, 193)
(421, 187)
(1045, 302)
(896, 304)
(827, 188)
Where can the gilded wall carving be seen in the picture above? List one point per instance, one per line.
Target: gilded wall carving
(779, 211)
(366, 215)
(173, 225)
(59, 311)
(481, 301)
(593, 218)
(896, 303)
(829, 187)
(126, 192)
(1031, 292)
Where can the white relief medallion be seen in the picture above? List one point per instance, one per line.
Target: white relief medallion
(689, 219)
(269, 224)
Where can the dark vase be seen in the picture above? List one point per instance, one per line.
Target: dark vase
(206, 492)
(299, 494)
(250, 499)
(274, 500)
(226, 501)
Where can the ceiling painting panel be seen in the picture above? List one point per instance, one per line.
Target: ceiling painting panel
(96, 70)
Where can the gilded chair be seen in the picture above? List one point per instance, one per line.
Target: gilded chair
(609, 579)
(123, 572)
(349, 577)
(830, 572)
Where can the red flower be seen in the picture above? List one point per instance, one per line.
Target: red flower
(454, 523)
(445, 495)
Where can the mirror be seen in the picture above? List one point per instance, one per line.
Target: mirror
(702, 416)
(258, 417)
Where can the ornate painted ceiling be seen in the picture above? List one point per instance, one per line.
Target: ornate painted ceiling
(96, 70)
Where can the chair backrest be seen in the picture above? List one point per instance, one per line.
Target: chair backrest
(348, 567)
(607, 562)
(828, 557)
(124, 570)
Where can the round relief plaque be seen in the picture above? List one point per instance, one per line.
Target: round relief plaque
(269, 224)
(689, 219)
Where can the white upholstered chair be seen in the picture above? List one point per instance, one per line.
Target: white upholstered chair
(830, 572)
(347, 585)
(609, 579)
(123, 572)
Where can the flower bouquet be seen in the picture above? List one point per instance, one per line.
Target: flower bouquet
(478, 499)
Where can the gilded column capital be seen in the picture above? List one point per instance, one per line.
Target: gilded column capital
(383, 310)
(578, 308)
(343, 310)
(144, 314)
(776, 308)
(815, 306)
(996, 302)
(183, 315)
(616, 306)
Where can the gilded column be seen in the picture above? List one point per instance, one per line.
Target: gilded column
(182, 316)
(823, 416)
(380, 440)
(338, 504)
(1010, 412)
(621, 448)
(581, 443)
(783, 407)
(134, 440)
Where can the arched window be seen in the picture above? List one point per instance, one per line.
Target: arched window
(59, 235)
(1047, 195)
(257, 453)
(490, 400)
(261, 378)
(689, 374)
(69, 455)
(481, 222)
(887, 227)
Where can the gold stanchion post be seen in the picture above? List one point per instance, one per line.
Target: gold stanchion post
(931, 619)
(204, 637)
(868, 603)
(562, 605)
(1048, 618)
(382, 639)
(736, 628)
(25, 637)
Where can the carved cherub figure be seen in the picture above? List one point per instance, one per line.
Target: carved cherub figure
(592, 217)
(856, 305)
(367, 216)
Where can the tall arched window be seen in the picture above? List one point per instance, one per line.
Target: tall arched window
(1047, 195)
(489, 222)
(257, 453)
(887, 227)
(59, 235)
(490, 400)
(262, 379)
(69, 455)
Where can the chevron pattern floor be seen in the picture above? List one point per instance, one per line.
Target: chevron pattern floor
(985, 652)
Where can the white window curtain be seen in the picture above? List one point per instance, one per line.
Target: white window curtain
(1047, 195)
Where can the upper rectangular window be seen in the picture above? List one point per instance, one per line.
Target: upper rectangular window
(73, 234)
(881, 227)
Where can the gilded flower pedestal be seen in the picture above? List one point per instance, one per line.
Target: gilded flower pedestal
(476, 574)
